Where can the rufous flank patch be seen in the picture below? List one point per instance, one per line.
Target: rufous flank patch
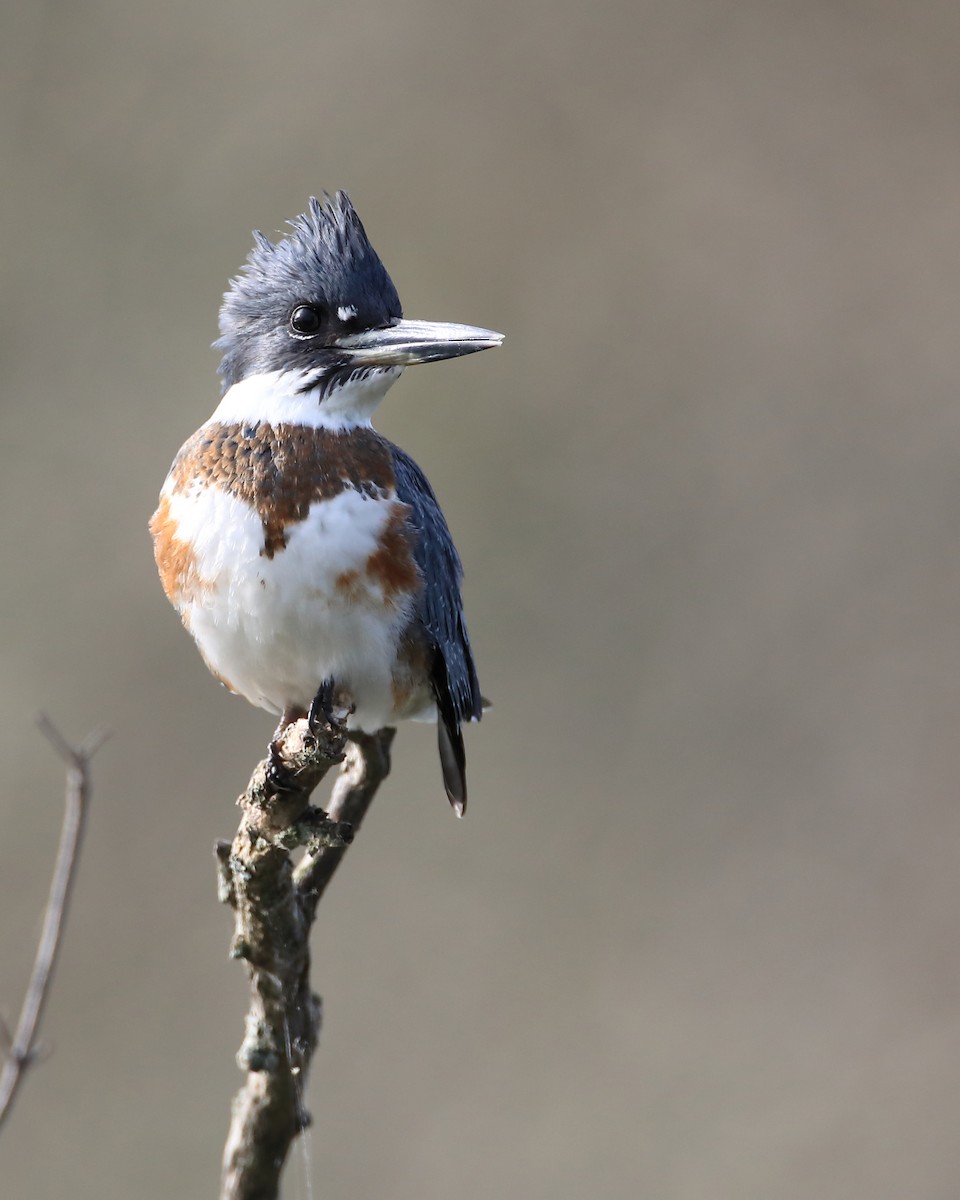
(176, 560)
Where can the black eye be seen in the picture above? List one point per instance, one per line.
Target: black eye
(305, 319)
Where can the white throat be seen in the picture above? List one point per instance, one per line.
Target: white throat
(274, 396)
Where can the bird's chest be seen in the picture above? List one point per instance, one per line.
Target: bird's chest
(280, 543)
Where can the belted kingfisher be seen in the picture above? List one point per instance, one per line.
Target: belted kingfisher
(306, 554)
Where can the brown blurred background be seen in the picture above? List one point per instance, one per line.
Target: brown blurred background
(699, 935)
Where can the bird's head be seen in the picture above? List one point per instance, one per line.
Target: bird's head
(319, 311)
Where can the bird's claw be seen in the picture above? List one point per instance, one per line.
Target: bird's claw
(322, 715)
(279, 778)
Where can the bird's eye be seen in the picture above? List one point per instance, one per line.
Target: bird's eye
(305, 319)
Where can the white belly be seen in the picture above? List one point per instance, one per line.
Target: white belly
(274, 628)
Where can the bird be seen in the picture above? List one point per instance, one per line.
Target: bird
(307, 554)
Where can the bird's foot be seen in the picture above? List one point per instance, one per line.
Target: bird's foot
(279, 779)
(323, 715)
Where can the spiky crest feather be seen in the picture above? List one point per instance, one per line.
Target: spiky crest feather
(327, 260)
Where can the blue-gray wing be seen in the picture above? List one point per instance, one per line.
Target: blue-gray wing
(440, 615)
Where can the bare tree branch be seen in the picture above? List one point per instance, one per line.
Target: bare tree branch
(274, 908)
(21, 1050)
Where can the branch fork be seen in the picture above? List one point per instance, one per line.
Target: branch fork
(274, 906)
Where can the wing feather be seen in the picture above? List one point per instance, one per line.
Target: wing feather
(441, 618)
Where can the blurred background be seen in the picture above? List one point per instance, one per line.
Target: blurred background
(698, 935)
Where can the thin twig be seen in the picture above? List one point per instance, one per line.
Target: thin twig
(274, 910)
(22, 1049)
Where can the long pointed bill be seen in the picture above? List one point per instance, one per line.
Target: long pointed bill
(409, 342)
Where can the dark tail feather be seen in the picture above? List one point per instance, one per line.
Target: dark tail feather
(453, 760)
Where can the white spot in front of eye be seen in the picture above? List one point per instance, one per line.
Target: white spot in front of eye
(346, 311)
